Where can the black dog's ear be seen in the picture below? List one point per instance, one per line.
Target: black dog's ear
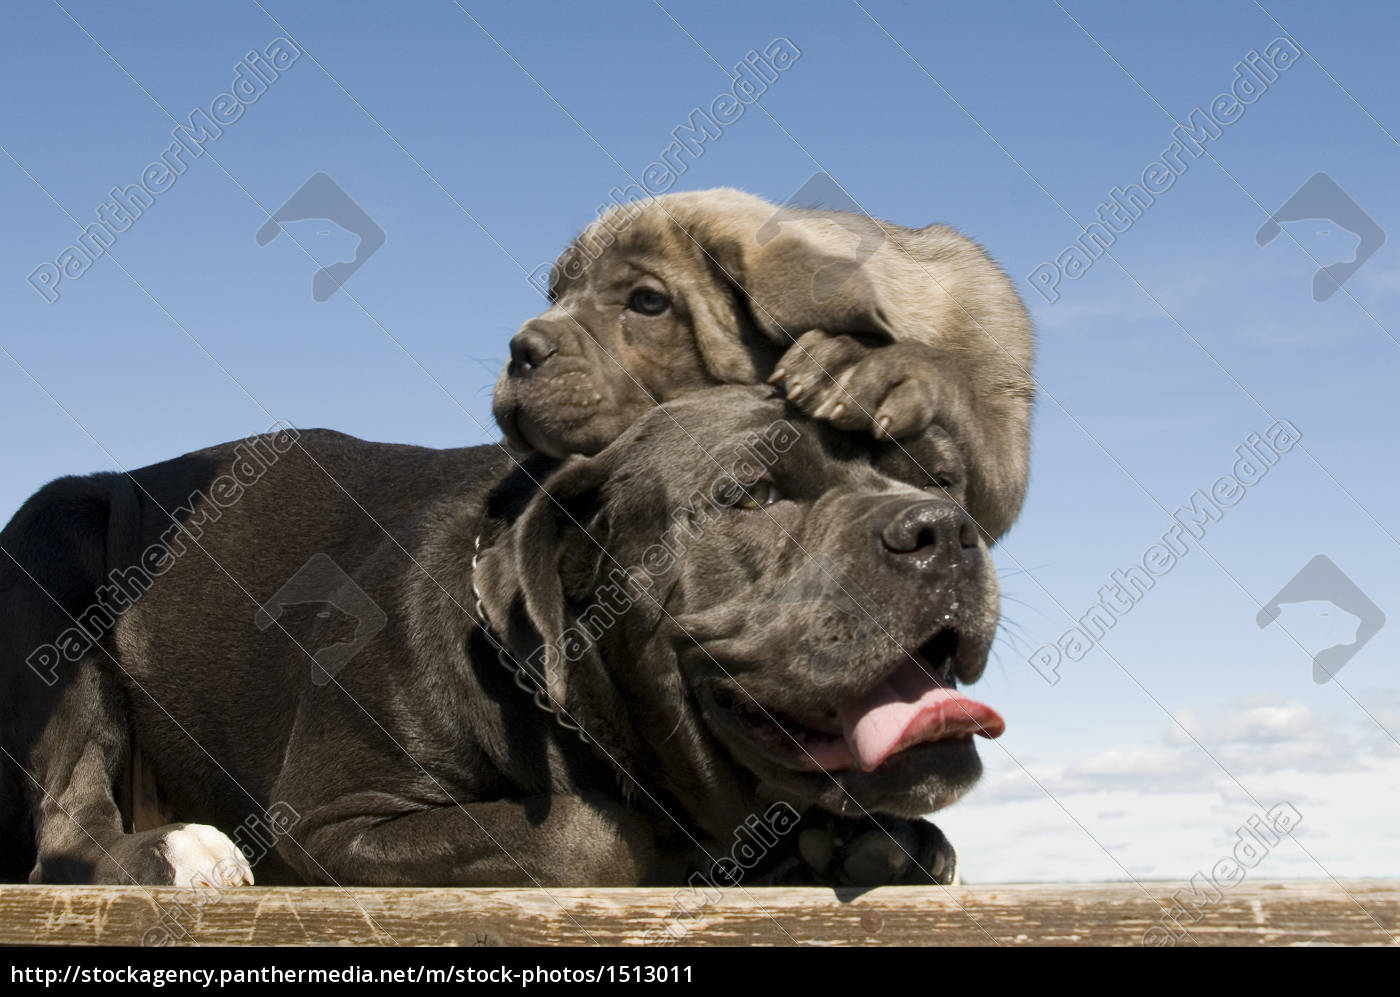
(527, 577)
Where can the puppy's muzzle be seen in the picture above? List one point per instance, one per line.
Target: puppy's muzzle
(530, 348)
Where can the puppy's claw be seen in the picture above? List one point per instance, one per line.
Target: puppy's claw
(882, 427)
(837, 411)
(777, 375)
(795, 392)
(824, 407)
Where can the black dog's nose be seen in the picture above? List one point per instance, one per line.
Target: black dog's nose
(529, 348)
(936, 527)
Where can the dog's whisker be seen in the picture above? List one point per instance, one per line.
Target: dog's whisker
(1022, 570)
(679, 722)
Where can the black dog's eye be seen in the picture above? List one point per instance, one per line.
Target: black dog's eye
(648, 302)
(757, 495)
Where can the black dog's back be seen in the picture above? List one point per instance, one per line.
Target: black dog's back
(78, 558)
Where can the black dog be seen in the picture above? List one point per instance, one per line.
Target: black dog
(680, 639)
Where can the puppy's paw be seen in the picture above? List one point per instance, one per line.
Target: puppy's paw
(879, 851)
(890, 390)
(200, 855)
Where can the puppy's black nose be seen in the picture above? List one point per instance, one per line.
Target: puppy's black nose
(935, 527)
(529, 348)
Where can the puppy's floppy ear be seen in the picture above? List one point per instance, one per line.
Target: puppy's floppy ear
(795, 269)
(528, 577)
(726, 338)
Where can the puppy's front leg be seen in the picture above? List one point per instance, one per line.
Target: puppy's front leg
(371, 839)
(897, 390)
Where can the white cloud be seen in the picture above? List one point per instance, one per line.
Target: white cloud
(1163, 809)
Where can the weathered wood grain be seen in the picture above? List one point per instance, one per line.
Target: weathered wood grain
(1365, 912)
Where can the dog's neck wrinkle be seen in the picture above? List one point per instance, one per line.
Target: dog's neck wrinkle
(606, 747)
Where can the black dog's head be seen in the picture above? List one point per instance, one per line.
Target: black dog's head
(749, 603)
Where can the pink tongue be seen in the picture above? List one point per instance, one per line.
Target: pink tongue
(912, 707)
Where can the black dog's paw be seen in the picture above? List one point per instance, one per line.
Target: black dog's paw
(890, 390)
(186, 855)
(191, 856)
(878, 851)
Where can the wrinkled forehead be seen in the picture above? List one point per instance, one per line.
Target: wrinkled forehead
(712, 438)
(622, 245)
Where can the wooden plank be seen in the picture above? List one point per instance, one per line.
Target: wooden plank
(1365, 912)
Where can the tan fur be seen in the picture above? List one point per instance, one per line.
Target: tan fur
(917, 327)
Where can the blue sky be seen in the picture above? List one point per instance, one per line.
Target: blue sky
(1007, 121)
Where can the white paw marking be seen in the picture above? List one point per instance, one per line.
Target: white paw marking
(200, 855)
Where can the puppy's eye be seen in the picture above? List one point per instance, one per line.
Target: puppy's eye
(648, 302)
(758, 495)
